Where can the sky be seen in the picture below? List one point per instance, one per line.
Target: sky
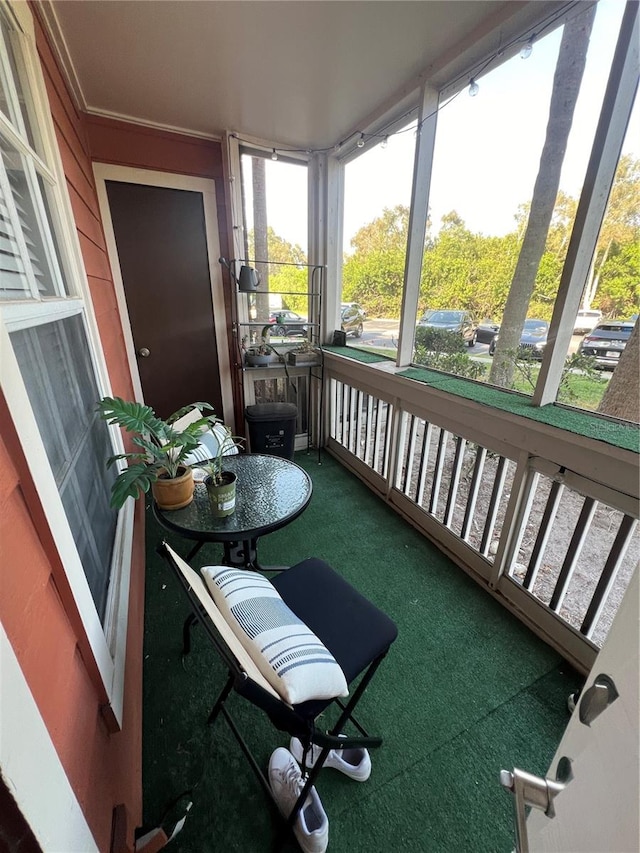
(487, 147)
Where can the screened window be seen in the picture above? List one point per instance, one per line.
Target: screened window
(275, 212)
(56, 367)
(377, 197)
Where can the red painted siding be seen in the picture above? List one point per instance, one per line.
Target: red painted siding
(36, 607)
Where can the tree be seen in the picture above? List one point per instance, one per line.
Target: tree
(622, 396)
(374, 274)
(619, 277)
(621, 223)
(260, 235)
(566, 87)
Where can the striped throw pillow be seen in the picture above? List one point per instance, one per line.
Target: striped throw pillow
(289, 655)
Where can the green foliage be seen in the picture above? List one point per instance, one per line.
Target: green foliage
(292, 281)
(213, 466)
(374, 274)
(474, 271)
(439, 340)
(618, 291)
(446, 351)
(163, 449)
(581, 382)
(457, 363)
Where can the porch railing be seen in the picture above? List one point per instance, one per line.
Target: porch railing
(546, 520)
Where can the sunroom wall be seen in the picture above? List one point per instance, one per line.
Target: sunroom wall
(37, 610)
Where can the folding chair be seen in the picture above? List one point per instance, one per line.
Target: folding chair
(354, 630)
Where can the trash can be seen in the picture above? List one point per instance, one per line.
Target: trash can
(272, 428)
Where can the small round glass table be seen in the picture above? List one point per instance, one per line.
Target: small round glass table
(270, 493)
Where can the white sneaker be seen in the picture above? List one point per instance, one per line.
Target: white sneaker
(312, 824)
(572, 701)
(354, 763)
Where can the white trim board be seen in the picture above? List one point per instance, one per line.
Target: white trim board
(104, 172)
(31, 767)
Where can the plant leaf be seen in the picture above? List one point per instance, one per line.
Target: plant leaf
(132, 416)
(132, 482)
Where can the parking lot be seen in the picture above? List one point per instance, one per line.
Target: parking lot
(384, 334)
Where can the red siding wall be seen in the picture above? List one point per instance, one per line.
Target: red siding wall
(36, 608)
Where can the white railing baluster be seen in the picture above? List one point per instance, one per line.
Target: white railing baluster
(358, 450)
(507, 515)
(455, 480)
(424, 462)
(367, 437)
(544, 532)
(494, 503)
(573, 552)
(608, 576)
(437, 473)
(476, 479)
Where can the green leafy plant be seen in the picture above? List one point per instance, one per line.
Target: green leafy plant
(579, 374)
(213, 466)
(444, 350)
(163, 449)
(439, 340)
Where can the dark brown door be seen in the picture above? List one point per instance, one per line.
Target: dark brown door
(162, 247)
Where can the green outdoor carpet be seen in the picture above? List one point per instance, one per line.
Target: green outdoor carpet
(358, 354)
(465, 691)
(624, 435)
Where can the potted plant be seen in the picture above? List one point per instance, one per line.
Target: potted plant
(159, 464)
(262, 354)
(220, 484)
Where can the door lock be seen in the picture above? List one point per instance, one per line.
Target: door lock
(144, 352)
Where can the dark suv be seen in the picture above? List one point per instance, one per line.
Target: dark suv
(285, 323)
(606, 342)
(452, 321)
(351, 318)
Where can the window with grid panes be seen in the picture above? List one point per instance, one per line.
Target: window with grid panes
(47, 325)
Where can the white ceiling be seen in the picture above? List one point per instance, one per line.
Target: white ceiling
(303, 73)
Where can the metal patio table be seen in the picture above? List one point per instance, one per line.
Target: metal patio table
(271, 492)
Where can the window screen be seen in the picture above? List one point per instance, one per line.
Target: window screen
(56, 367)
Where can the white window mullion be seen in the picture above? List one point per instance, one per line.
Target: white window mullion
(8, 87)
(45, 230)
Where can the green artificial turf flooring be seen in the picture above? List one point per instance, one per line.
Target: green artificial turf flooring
(465, 691)
(618, 433)
(358, 354)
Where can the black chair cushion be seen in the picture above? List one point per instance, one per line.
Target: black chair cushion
(354, 630)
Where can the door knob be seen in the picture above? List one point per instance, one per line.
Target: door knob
(144, 352)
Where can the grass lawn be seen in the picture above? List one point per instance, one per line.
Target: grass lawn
(583, 392)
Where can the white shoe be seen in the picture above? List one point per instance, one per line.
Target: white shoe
(312, 824)
(572, 701)
(354, 763)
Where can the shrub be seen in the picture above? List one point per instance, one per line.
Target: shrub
(439, 340)
(457, 363)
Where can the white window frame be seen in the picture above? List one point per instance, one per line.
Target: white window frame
(107, 642)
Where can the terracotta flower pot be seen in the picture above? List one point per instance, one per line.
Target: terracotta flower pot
(174, 493)
(222, 495)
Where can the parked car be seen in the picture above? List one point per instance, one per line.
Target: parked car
(351, 318)
(486, 331)
(533, 339)
(607, 342)
(452, 321)
(287, 323)
(586, 321)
